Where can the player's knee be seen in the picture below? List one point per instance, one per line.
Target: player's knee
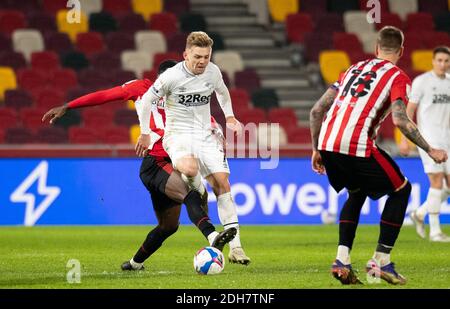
(404, 192)
(188, 167)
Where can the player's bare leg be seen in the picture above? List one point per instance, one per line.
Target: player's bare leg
(228, 215)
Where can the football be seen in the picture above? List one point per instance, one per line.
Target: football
(209, 261)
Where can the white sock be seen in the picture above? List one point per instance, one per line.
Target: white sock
(433, 203)
(211, 237)
(228, 216)
(194, 183)
(382, 258)
(421, 211)
(343, 254)
(136, 265)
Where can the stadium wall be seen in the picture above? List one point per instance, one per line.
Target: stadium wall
(109, 191)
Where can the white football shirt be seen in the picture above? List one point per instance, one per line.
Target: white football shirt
(187, 99)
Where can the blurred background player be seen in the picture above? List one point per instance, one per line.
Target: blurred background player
(166, 187)
(188, 139)
(430, 96)
(344, 148)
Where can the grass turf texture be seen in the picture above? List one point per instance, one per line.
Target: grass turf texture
(282, 257)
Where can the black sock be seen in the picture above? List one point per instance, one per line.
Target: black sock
(349, 218)
(393, 216)
(197, 215)
(153, 241)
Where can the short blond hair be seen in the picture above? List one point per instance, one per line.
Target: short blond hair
(198, 39)
(390, 39)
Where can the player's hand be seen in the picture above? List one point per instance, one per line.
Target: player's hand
(54, 114)
(403, 147)
(234, 125)
(142, 145)
(317, 164)
(438, 155)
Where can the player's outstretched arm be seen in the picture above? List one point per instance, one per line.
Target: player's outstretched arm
(410, 130)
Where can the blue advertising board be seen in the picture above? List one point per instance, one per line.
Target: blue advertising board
(109, 191)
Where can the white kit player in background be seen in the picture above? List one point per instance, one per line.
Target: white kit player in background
(430, 96)
(189, 139)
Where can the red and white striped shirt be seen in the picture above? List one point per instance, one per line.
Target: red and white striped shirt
(133, 90)
(365, 93)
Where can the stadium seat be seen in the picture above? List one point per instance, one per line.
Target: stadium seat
(254, 115)
(160, 57)
(51, 135)
(390, 19)
(332, 64)
(271, 136)
(436, 38)
(125, 117)
(42, 21)
(47, 97)
(329, 23)
(91, 6)
(314, 43)
(5, 43)
(151, 75)
(102, 22)
(419, 22)
(135, 132)
(299, 135)
(79, 135)
(117, 42)
(106, 60)
(421, 60)
(12, 59)
(356, 22)
(18, 98)
(177, 42)
(280, 9)
(297, 26)
(74, 60)
(32, 118)
(64, 79)
(120, 77)
(177, 7)
(90, 43)
(265, 98)
(286, 117)
(7, 81)
(341, 7)
(164, 22)
(247, 79)
(442, 21)
(147, 7)
(136, 61)
(240, 97)
(30, 79)
(369, 41)
(53, 6)
(315, 8)
(229, 61)
(131, 23)
(403, 7)
(117, 7)
(11, 20)
(150, 42)
(58, 42)
(384, 6)
(413, 41)
(27, 41)
(433, 7)
(350, 43)
(72, 29)
(24, 6)
(92, 117)
(19, 135)
(192, 22)
(8, 118)
(45, 60)
(114, 135)
(95, 79)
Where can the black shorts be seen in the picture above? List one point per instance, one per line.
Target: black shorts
(154, 173)
(376, 175)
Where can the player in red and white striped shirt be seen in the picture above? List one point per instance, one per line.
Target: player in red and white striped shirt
(166, 187)
(344, 126)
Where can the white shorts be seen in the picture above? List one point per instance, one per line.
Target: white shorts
(430, 167)
(208, 150)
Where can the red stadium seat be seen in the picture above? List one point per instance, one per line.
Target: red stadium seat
(58, 42)
(64, 79)
(299, 135)
(42, 21)
(384, 6)
(433, 39)
(11, 20)
(94, 78)
(48, 97)
(255, 115)
(176, 7)
(46, 60)
(240, 99)
(115, 135)
(79, 135)
(51, 135)
(5, 43)
(53, 6)
(177, 42)
(18, 98)
(386, 130)
(30, 79)
(164, 22)
(419, 22)
(433, 7)
(97, 117)
(125, 117)
(117, 7)
(8, 118)
(90, 43)
(286, 117)
(160, 57)
(247, 79)
(151, 75)
(297, 25)
(132, 23)
(117, 42)
(19, 135)
(389, 19)
(32, 118)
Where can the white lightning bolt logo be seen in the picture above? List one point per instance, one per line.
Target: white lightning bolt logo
(32, 213)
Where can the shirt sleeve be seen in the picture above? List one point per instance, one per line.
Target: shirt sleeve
(401, 88)
(223, 95)
(136, 88)
(99, 97)
(417, 90)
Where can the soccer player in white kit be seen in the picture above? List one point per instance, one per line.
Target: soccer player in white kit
(189, 138)
(430, 96)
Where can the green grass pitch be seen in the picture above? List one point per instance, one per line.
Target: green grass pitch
(282, 257)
